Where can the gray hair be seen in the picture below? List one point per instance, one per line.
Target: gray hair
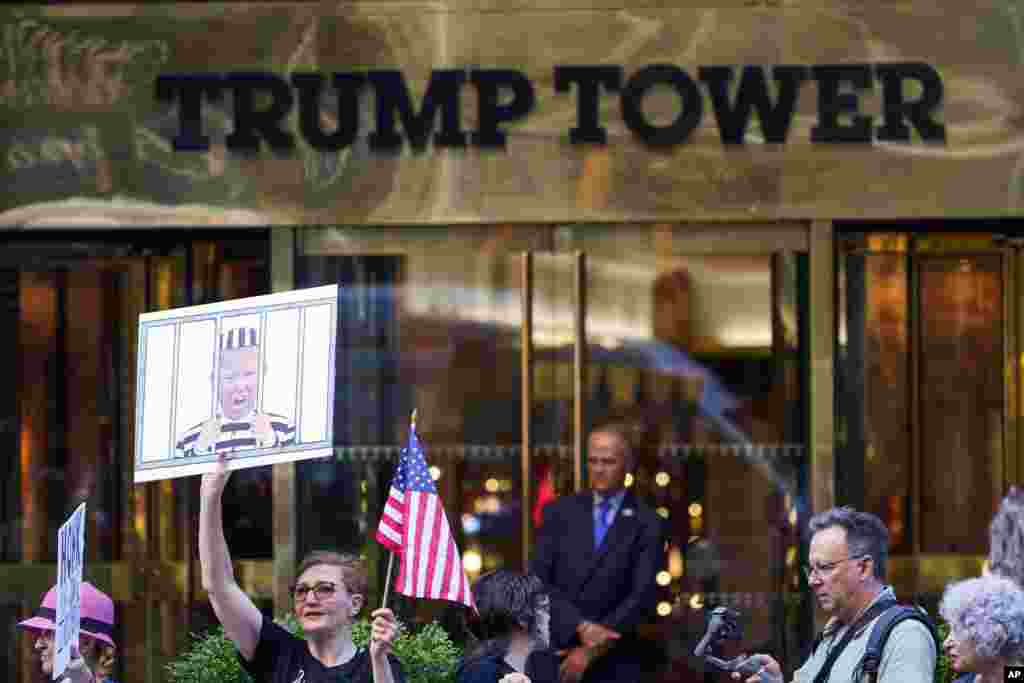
(989, 611)
(1006, 538)
(866, 535)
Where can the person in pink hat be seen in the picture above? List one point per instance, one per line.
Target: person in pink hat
(96, 646)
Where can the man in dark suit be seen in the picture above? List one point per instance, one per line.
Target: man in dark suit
(598, 553)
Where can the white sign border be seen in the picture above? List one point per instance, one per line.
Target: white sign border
(170, 467)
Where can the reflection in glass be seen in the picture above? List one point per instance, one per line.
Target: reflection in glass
(683, 344)
(872, 389)
(961, 399)
(74, 304)
(682, 341)
(920, 393)
(430, 321)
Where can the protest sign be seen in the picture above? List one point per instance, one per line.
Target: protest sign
(70, 557)
(252, 378)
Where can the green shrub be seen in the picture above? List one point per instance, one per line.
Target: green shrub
(428, 655)
(210, 659)
(943, 674)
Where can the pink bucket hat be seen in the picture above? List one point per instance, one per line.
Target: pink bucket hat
(97, 614)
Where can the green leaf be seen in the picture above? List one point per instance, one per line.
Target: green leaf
(428, 655)
(943, 674)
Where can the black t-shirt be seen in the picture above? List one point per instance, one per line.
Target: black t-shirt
(486, 669)
(541, 667)
(283, 658)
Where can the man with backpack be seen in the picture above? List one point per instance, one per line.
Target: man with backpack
(868, 637)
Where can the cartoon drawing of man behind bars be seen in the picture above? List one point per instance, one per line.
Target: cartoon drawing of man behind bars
(239, 423)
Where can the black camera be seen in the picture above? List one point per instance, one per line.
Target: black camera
(724, 624)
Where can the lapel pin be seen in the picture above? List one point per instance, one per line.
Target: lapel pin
(627, 512)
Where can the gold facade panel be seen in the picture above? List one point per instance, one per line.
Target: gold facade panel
(892, 183)
(534, 41)
(955, 242)
(882, 242)
(974, 172)
(557, 6)
(947, 33)
(540, 175)
(931, 573)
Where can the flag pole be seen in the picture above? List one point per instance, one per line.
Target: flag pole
(391, 554)
(387, 580)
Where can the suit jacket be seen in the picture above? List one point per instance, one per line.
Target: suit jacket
(613, 585)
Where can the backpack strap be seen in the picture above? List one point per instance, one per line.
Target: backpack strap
(880, 634)
(876, 609)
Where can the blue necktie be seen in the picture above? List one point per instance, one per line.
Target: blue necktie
(601, 523)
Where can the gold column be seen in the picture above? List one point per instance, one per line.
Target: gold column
(821, 380)
(1015, 364)
(38, 304)
(283, 245)
(86, 321)
(526, 365)
(579, 368)
(1003, 469)
(165, 611)
(36, 346)
(129, 587)
(821, 388)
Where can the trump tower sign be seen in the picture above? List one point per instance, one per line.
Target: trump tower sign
(838, 88)
(440, 113)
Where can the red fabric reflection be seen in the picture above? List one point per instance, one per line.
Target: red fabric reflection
(545, 492)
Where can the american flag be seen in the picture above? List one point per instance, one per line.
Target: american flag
(415, 527)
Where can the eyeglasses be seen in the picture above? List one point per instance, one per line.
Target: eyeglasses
(826, 568)
(322, 591)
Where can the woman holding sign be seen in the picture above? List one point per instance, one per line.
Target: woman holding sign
(329, 593)
(95, 645)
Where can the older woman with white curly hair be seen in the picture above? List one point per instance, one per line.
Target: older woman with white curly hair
(986, 627)
(1006, 538)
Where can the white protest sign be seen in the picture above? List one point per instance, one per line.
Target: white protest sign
(70, 556)
(252, 378)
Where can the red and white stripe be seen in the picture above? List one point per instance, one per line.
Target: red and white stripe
(430, 565)
(392, 522)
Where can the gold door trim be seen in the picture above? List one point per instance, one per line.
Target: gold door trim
(579, 370)
(526, 361)
(1014, 473)
(283, 249)
(821, 380)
